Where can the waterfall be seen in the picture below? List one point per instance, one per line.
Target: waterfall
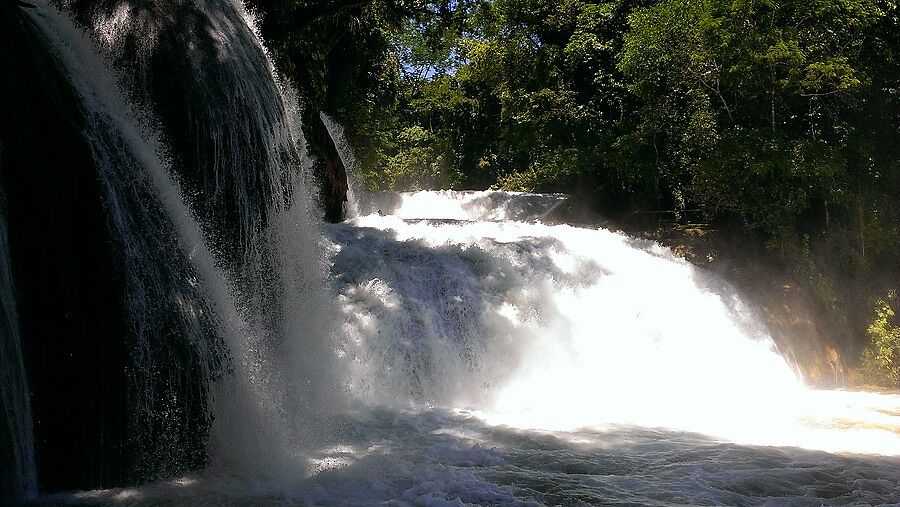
(174, 316)
(144, 207)
(220, 353)
(462, 300)
(511, 362)
(224, 120)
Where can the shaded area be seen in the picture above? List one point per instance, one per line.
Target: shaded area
(208, 81)
(309, 39)
(16, 438)
(113, 331)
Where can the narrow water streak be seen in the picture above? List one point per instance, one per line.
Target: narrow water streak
(17, 438)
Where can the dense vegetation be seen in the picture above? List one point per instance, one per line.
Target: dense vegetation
(776, 118)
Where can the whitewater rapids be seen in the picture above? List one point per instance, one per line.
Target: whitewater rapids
(493, 359)
(438, 348)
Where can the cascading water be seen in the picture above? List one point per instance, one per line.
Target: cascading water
(224, 120)
(246, 345)
(355, 188)
(441, 348)
(138, 184)
(510, 362)
(557, 327)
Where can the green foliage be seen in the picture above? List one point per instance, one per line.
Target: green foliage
(881, 360)
(419, 163)
(779, 115)
(768, 181)
(552, 172)
(807, 271)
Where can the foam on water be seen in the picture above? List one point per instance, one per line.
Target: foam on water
(560, 328)
(482, 358)
(517, 363)
(435, 457)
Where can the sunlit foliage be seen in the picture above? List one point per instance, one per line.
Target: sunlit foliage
(882, 358)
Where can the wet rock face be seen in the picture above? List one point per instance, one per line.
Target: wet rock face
(116, 383)
(57, 236)
(331, 175)
(202, 71)
(119, 344)
(321, 26)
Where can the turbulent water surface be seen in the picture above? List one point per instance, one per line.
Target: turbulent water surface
(486, 359)
(438, 348)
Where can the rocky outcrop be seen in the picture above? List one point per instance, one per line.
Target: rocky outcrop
(114, 334)
(331, 175)
(205, 76)
(320, 26)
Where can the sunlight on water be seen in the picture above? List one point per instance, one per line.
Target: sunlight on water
(475, 205)
(515, 363)
(578, 328)
(482, 357)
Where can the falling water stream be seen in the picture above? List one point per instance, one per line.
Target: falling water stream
(449, 348)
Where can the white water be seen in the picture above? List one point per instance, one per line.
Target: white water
(560, 328)
(277, 371)
(490, 205)
(516, 363)
(483, 359)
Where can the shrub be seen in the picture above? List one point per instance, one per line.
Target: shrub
(881, 360)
